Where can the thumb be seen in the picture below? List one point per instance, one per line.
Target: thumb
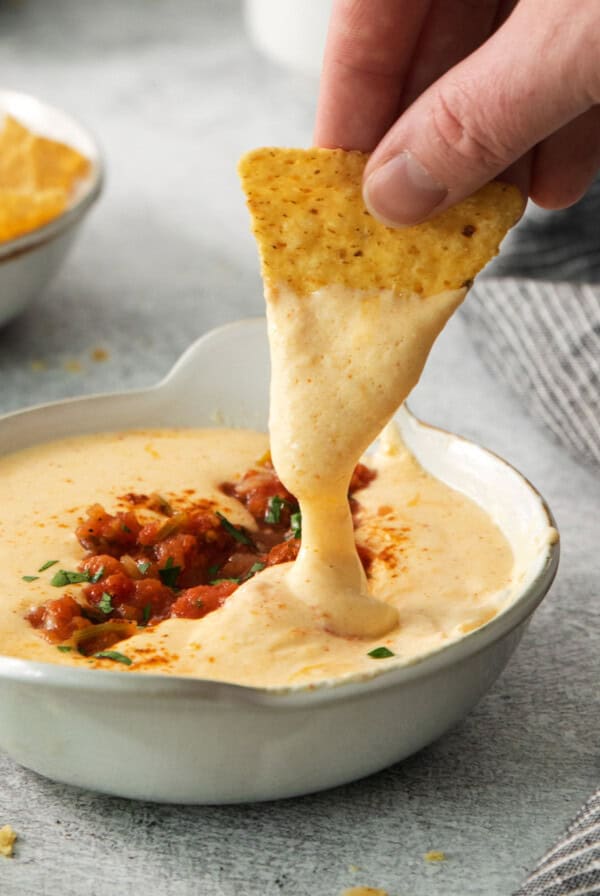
(520, 86)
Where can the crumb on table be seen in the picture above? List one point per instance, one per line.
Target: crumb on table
(435, 855)
(364, 891)
(72, 365)
(7, 841)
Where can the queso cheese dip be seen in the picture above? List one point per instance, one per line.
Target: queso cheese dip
(436, 558)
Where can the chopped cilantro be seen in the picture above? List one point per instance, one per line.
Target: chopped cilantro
(30, 578)
(168, 574)
(213, 570)
(98, 575)
(380, 653)
(114, 655)
(256, 567)
(199, 603)
(146, 614)
(143, 566)
(273, 514)
(296, 524)
(220, 581)
(64, 648)
(66, 577)
(236, 533)
(47, 565)
(105, 603)
(125, 528)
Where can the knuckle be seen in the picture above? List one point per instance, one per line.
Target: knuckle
(461, 126)
(576, 64)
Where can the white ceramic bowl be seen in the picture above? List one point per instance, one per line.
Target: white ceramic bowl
(28, 262)
(290, 33)
(182, 740)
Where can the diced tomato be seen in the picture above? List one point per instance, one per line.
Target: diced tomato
(103, 532)
(284, 552)
(58, 619)
(197, 602)
(181, 550)
(119, 586)
(206, 526)
(149, 534)
(257, 488)
(152, 600)
(102, 563)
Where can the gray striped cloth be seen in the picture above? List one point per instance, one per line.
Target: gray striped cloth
(543, 339)
(535, 319)
(572, 867)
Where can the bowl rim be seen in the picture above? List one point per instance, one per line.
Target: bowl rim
(141, 686)
(91, 191)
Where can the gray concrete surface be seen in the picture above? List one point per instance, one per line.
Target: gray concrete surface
(176, 94)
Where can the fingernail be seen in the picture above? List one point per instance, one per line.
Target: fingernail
(401, 192)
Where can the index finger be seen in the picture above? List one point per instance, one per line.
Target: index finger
(368, 52)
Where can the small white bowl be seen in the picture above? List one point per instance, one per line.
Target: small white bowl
(183, 740)
(28, 262)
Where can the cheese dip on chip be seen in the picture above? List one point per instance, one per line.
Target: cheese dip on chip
(197, 552)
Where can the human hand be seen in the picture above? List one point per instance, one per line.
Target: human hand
(452, 93)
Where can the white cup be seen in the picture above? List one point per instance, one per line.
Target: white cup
(291, 32)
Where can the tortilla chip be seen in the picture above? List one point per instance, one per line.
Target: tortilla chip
(57, 165)
(7, 841)
(37, 178)
(22, 212)
(13, 133)
(313, 228)
(16, 164)
(16, 170)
